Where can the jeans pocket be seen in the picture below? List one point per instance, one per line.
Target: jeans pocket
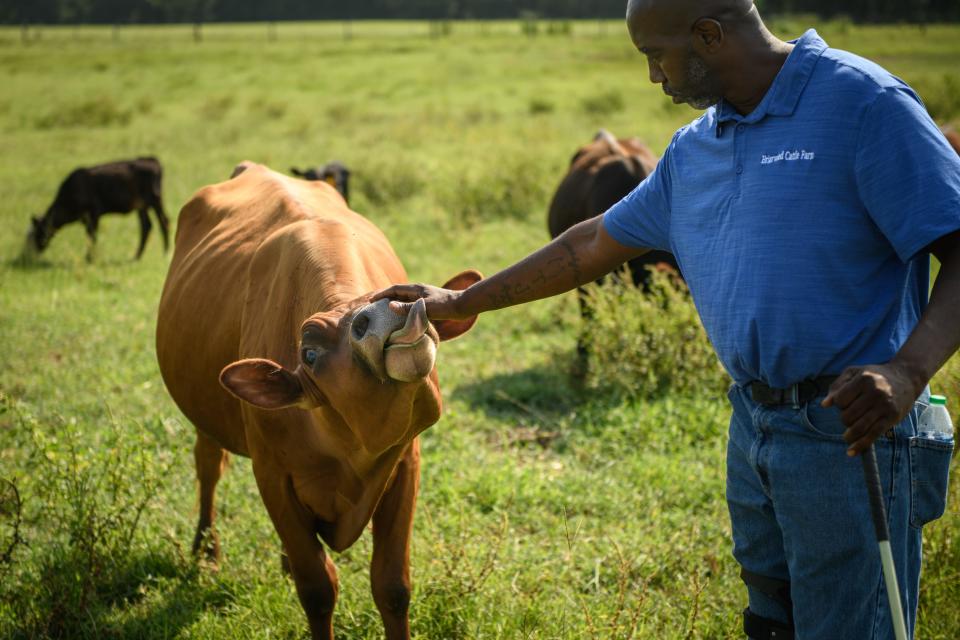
(823, 422)
(929, 475)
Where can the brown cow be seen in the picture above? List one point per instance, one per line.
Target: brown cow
(267, 266)
(89, 192)
(600, 175)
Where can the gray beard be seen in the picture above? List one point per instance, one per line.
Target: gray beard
(702, 92)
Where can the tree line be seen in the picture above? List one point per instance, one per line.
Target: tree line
(198, 11)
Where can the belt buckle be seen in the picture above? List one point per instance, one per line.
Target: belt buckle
(795, 395)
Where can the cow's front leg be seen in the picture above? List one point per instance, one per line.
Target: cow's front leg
(91, 221)
(210, 459)
(145, 226)
(392, 527)
(164, 223)
(313, 572)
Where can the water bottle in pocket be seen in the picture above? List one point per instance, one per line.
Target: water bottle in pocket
(930, 453)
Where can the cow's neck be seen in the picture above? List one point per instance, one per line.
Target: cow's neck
(54, 218)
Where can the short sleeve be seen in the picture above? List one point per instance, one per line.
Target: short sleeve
(907, 174)
(642, 218)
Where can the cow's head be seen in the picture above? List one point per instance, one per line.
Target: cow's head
(38, 236)
(372, 368)
(333, 173)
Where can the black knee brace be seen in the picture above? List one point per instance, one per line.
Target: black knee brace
(760, 628)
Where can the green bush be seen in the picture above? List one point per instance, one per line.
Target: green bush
(506, 188)
(540, 106)
(99, 112)
(643, 344)
(384, 183)
(529, 23)
(603, 104)
(80, 507)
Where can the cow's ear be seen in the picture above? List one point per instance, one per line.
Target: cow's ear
(450, 329)
(264, 384)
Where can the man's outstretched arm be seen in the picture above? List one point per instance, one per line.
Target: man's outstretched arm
(581, 254)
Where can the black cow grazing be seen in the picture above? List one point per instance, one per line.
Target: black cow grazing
(333, 173)
(89, 192)
(601, 173)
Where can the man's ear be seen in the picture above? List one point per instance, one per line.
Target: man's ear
(265, 384)
(450, 329)
(709, 34)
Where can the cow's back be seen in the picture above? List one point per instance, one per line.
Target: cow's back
(221, 231)
(600, 174)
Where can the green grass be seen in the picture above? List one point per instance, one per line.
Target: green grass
(545, 511)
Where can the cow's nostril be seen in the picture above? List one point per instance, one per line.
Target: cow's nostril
(360, 325)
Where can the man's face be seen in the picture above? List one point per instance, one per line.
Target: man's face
(698, 86)
(673, 64)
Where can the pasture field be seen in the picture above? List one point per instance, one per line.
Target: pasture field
(546, 510)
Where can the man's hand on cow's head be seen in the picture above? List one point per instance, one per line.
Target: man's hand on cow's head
(441, 303)
(444, 304)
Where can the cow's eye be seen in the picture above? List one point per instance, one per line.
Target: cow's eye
(310, 356)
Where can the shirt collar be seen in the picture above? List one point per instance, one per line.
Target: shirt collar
(783, 95)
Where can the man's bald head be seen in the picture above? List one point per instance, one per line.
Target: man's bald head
(686, 43)
(680, 14)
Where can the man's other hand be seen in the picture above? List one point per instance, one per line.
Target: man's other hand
(872, 399)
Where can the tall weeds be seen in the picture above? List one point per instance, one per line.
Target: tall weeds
(643, 344)
(77, 516)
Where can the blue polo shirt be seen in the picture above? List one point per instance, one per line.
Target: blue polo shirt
(801, 227)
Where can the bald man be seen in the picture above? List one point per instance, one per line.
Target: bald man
(803, 207)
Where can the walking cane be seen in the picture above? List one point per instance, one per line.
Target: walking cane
(871, 474)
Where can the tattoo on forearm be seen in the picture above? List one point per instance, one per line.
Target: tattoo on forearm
(511, 293)
(555, 269)
(502, 298)
(573, 262)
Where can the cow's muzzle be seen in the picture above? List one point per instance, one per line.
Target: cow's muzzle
(398, 348)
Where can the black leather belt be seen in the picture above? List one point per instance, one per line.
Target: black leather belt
(798, 393)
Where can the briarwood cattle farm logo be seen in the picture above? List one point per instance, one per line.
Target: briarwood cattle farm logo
(787, 156)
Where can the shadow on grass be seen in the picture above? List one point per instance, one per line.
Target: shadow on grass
(545, 393)
(154, 595)
(22, 263)
(27, 265)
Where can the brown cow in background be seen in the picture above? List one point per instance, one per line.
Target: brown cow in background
(269, 345)
(600, 175)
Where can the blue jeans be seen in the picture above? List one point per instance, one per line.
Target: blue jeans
(800, 512)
